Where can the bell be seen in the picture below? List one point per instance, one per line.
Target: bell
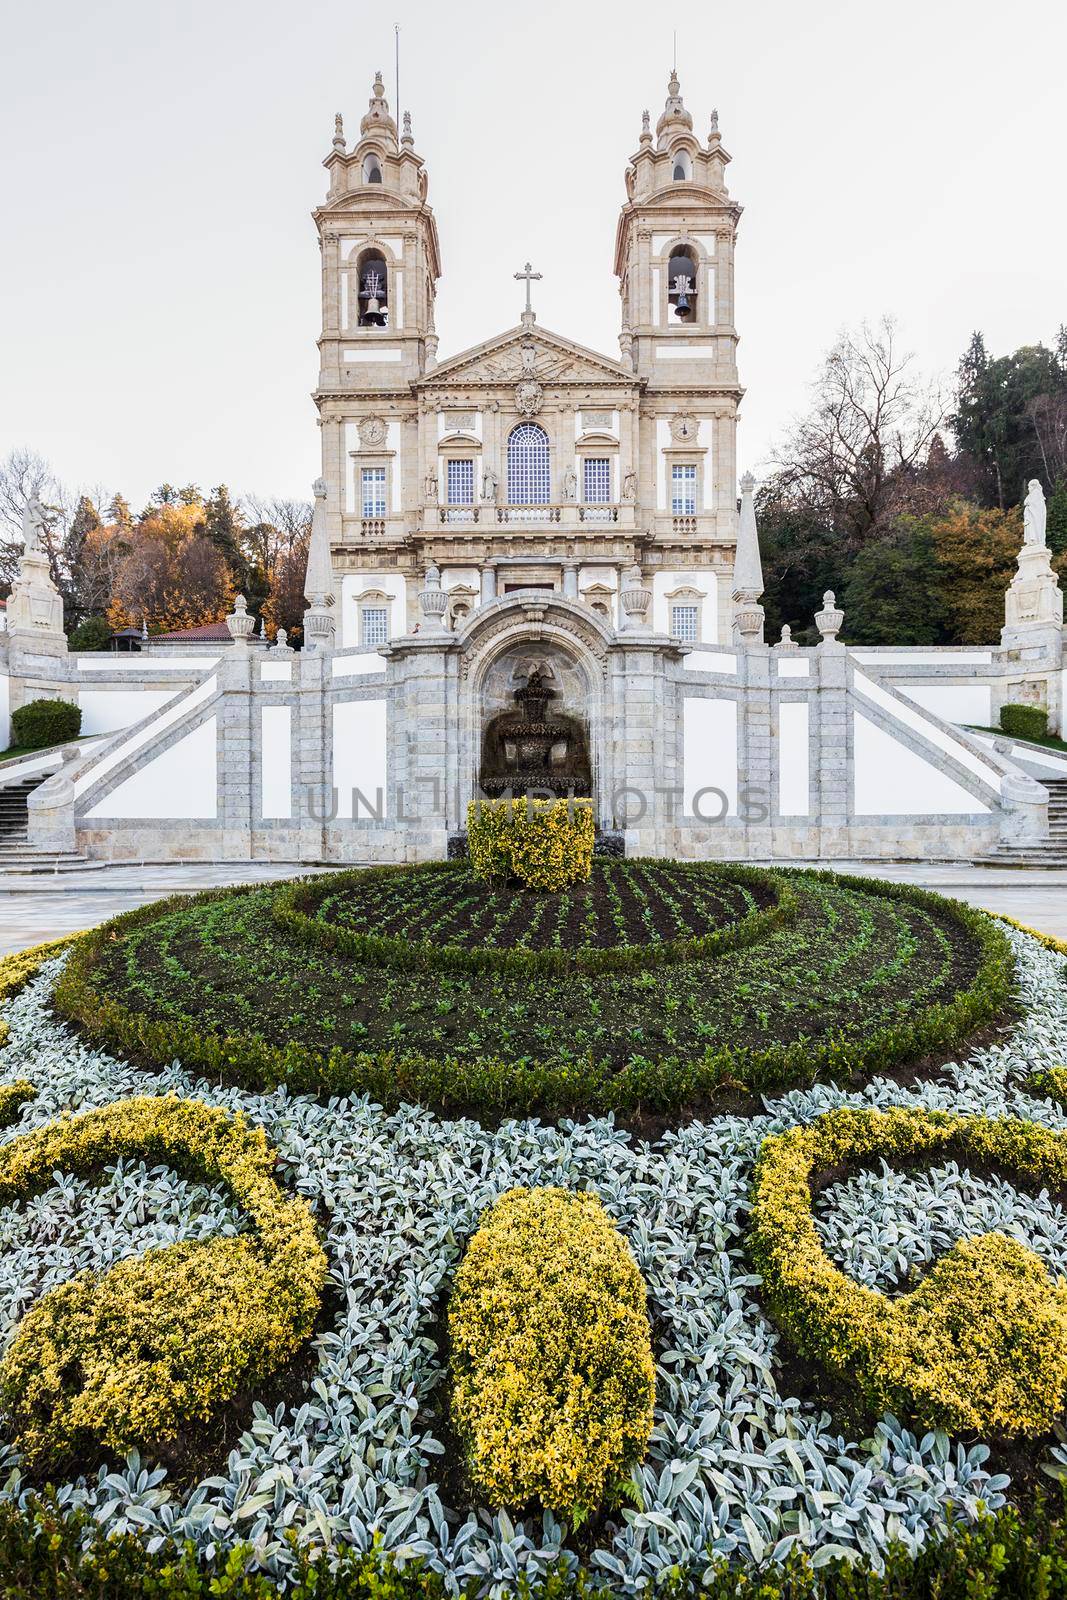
(682, 287)
(373, 314)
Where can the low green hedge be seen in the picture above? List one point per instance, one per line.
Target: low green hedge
(980, 1345)
(294, 906)
(1024, 722)
(46, 1554)
(551, 1353)
(45, 722)
(493, 1087)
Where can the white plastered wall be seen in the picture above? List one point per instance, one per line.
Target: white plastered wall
(109, 710)
(359, 756)
(276, 762)
(794, 759)
(707, 584)
(354, 584)
(891, 780)
(709, 757)
(180, 784)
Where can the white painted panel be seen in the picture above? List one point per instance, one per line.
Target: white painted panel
(348, 243)
(178, 708)
(607, 578)
(459, 577)
(276, 769)
(344, 302)
(794, 667)
(109, 710)
(924, 658)
(660, 241)
(952, 702)
(394, 584)
(182, 783)
(657, 304)
(706, 241)
(134, 662)
(359, 756)
(677, 351)
(398, 299)
(710, 313)
(705, 441)
(276, 672)
(5, 711)
(378, 353)
(711, 661)
(793, 759)
(942, 739)
(396, 485)
(709, 756)
(357, 666)
(393, 242)
(892, 781)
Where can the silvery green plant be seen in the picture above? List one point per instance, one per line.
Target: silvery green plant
(735, 1465)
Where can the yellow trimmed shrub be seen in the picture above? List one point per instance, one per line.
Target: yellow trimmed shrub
(554, 1381)
(546, 844)
(981, 1344)
(132, 1355)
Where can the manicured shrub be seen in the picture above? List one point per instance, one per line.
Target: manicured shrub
(1024, 722)
(493, 1084)
(545, 844)
(163, 1339)
(551, 1356)
(45, 722)
(981, 1344)
(92, 634)
(295, 907)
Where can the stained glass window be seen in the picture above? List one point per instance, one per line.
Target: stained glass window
(529, 474)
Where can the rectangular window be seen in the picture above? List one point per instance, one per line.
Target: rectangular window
(596, 490)
(373, 480)
(460, 483)
(683, 490)
(684, 623)
(374, 626)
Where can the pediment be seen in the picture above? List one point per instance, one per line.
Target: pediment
(531, 353)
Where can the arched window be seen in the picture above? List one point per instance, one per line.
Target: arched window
(373, 290)
(372, 169)
(683, 166)
(682, 283)
(529, 474)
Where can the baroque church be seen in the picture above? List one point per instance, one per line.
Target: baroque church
(530, 569)
(529, 462)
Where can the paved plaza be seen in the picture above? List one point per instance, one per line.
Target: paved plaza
(46, 905)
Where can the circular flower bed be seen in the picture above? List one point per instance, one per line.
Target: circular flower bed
(740, 1464)
(859, 974)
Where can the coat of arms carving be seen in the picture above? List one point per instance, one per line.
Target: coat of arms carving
(529, 397)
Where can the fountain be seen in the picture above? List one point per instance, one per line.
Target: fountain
(534, 748)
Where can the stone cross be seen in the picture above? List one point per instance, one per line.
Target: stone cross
(531, 277)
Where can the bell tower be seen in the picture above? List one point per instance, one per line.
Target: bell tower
(674, 251)
(380, 256)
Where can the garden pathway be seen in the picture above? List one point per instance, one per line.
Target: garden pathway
(38, 907)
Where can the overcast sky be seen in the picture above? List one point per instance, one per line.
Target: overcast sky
(159, 273)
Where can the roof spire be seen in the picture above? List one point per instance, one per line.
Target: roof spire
(378, 116)
(338, 132)
(675, 116)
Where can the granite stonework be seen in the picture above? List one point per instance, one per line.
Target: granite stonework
(532, 513)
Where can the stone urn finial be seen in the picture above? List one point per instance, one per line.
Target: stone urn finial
(787, 645)
(282, 646)
(433, 600)
(240, 623)
(635, 598)
(829, 619)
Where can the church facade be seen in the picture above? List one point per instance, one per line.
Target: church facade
(531, 569)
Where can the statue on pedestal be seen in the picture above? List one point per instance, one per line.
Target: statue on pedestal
(34, 527)
(1034, 514)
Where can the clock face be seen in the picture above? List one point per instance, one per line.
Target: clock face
(683, 428)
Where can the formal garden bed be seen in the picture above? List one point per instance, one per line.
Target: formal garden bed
(819, 1324)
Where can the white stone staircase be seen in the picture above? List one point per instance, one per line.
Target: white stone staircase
(16, 853)
(1050, 852)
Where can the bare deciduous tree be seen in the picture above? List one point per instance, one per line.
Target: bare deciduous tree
(853, 459)
(23, 475)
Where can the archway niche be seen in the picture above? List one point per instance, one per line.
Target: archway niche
(534, 723)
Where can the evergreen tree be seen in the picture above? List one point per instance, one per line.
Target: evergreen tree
(892, 592)
(1057, 518)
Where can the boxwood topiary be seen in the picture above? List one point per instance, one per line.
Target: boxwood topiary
(1024, 722)
(45, 722)
(551, 1353)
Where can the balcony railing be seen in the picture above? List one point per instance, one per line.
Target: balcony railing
(372, 527)
(685, 524)
(525, 514)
